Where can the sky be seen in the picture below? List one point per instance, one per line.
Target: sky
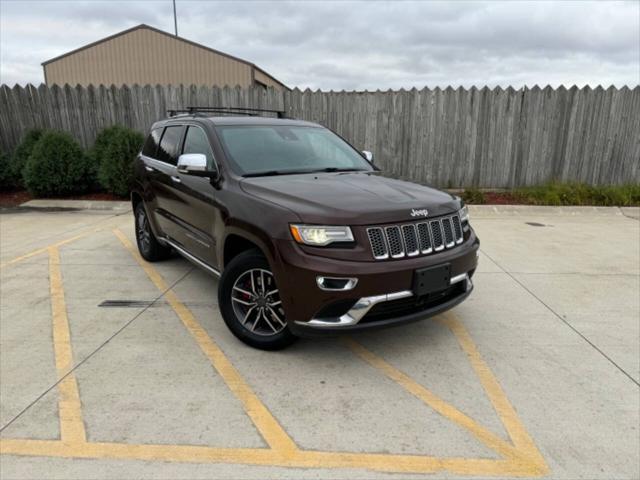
(345, 45)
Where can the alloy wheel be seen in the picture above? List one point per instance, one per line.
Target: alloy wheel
(256, 302)
(143, 231)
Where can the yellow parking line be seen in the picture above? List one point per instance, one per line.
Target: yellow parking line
(46, 249)
(266, 457)
(71, 424)
(443, 408)
(267, 425)
(521, 460)
(518, 434)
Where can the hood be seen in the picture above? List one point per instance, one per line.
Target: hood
(350, 198)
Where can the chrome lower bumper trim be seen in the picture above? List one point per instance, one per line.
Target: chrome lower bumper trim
(458, 278)
(359, 310)
(362, 306)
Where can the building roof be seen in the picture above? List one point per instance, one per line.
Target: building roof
(170, 35)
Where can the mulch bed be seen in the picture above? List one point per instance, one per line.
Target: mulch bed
(500, 198)
(18, 197)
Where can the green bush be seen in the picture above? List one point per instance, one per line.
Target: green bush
(21, 155)
(104, 138)
(473, 195)
(6, 180)
(579, 194)
(115, 149)
(57, 166)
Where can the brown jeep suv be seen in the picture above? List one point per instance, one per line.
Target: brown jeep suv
(307, 236)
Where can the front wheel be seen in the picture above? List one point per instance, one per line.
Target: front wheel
(250, 303)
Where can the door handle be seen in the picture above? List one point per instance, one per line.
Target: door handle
(149, 169)
(175, 179)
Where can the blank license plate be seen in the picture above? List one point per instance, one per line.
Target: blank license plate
(431, 279)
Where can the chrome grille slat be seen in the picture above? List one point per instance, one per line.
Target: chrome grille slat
(436, 235)
(378, 243)
(447, 230)
(457, 229)
(426, 245)
(412, 239)
(394, 240)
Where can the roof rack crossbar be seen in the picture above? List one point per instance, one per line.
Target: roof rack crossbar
(251, 112)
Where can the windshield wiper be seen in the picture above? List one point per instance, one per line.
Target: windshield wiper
(271, 173)
(338, 169)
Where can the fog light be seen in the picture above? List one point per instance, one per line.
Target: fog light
(336, 283)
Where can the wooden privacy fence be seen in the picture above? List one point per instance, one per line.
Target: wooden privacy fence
(448, 138)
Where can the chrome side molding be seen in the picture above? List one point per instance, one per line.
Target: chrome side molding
(190, 257)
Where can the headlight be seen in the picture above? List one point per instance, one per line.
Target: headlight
(464, 214)
(320, 235)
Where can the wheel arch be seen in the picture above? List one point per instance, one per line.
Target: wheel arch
(237, 241)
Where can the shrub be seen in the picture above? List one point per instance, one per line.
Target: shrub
(104, 138)
(6, 180)
(115, 149)
(579, 194)
(21, 154)
(57, 166)
(473, 195)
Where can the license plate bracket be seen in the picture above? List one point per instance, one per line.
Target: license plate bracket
(431, 279)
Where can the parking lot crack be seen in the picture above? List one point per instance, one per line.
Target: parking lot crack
(564, 320)
(96, 350)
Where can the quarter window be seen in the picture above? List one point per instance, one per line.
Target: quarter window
(170, 144)
(196, 141)
(151, 145)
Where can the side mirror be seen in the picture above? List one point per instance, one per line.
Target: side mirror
(368, 155)
(195, 164)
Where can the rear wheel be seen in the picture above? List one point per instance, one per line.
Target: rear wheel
(148, 246)
(250, 303)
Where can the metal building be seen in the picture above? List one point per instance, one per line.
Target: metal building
(145, 55)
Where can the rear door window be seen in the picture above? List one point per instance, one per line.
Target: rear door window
(151, 145)
(170, 144)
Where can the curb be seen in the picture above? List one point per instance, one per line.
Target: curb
(74, 205)
(538, 210)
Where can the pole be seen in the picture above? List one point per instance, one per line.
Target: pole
(175, 18)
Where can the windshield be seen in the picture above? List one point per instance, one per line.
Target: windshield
(280, 150)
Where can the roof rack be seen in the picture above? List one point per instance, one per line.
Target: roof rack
(250, 112)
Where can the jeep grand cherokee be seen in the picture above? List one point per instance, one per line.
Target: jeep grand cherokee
(307, 236)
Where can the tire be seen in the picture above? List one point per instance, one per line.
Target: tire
(148, 246)
(253, 311)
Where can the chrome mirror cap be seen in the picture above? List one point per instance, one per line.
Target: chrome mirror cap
(192, 163)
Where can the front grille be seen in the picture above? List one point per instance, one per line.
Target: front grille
(413, 239)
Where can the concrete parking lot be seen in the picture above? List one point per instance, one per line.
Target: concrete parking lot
(115, 368)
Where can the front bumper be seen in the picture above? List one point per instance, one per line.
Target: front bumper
(311, 311)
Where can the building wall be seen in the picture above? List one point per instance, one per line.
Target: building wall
(143, 57)
(266, 80)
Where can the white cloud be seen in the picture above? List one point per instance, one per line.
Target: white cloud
(358, 45)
